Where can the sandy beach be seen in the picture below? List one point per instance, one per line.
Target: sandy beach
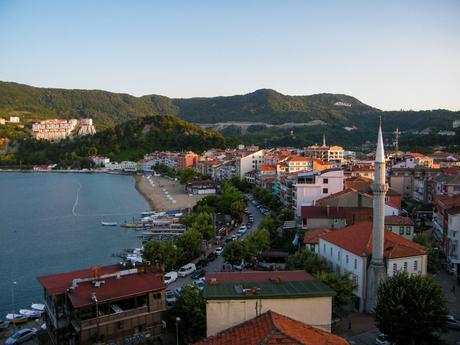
(156, 190)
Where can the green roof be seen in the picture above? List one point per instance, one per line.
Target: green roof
(268, 289)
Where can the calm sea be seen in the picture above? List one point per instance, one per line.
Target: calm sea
(51, 223)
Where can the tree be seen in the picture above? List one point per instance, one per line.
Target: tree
(435, 256)
(191, 308)
(203, 223)
(189, 245)
(236, 210)
(163, 252)
(235, 252)
(342, 285)
(411, 309)
(308, 261)
(257, 241)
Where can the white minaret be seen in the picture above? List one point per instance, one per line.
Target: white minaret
(324, 139)
(376, 271)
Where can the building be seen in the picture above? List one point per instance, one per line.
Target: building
(360, 170)
(314, 186)
(236, 297)
(273, 328)
(249, 161)
(325, 153)
(441, 218)
(126, 166)
(100, 160)
(453, 235)
(311, 238)
(201, 187)
(401, 180)
(2, 121)
(14, 119)
(104, 304)
(314, 217)
(294, 164)
(352, 198)
(57, 129)
(402, 226)
(349, 250)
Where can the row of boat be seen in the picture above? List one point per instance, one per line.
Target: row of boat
(36, 311)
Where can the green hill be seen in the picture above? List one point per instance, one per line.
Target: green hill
(344, 119)
(127, 141)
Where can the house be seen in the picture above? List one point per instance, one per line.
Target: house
(453, 235)
(273, 328)
(360, 170)
(364, 185)
(447, 184)
(403, 226)
(100, 160)
(2, 121)
(293, 164)
(201, 187)
(349, 251)
(401, 180)
(314, 186)
(311, 238)
(325, 153)
(314, 217)
(235, 297)
(107, 304)
(352, 198)
(14, 119)
(441, 217)
(249, 161)
(126, 166)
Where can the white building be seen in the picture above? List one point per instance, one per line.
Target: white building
(453, 235)
(316, 186)
(127, 166)
(403, 226)
(100, 160)
(249, 162)
(349, 251)
(15, 119)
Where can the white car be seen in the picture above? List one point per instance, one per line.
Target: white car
(186, 270)
(171, 297)
(219, 250)
(170, 277)
(382, 339)
(243, 228)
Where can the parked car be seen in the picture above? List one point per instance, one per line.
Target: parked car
(453, 322)
(243, 228)
(234, 238)
(170, 277)
(202, 263)
(200, 283)
(382, 339)
(249, 226)
(21, 336)
(186, 270)
(218, 250)
(171, 297)
(211, 256)
(198, 273)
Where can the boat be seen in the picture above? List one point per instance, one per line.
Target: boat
(109, 223)
(16, 318)
(38, 306)
(32, 314)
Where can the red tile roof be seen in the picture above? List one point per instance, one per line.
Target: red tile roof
(116, 288)
(299, 159)
(257, 276)
(357, 239)
(312, 236)
(271, 328)
(398, 220)
(267, 168)
(56, 284)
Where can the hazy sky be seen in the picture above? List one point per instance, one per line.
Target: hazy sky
(389, 54)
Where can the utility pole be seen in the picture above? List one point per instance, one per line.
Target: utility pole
(177, 330)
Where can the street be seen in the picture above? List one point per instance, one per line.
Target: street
(216, 265)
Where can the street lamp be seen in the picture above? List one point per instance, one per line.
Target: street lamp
(177, 330)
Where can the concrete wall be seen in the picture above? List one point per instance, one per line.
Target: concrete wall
(421, 265)
(223, 314)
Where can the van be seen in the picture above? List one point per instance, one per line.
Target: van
(186, 270)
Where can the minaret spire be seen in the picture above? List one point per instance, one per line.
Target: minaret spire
(376, 272)
(324, 139)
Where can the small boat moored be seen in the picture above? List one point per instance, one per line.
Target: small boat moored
(109, 223)
(31, 314)
(16, 318)
(38, 306)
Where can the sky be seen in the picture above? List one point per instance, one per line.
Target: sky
(389, 54)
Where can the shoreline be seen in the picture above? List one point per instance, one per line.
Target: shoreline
(72, 171)
(137, 182)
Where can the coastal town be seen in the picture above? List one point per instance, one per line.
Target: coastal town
(364, 217)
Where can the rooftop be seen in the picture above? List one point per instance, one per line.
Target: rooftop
(312, 236)
(271, 328)
(357, 239)
(258, 284)
(398, 220)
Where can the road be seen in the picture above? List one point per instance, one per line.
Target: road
(216, 265)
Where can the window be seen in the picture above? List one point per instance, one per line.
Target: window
(325, 190)
(405, 266)
(324, 248)
(415, 265)
(346, 259)
(408, 230)
(395, 268)
(325, 180)
(401, 230)
(331, 251)
(356, 263)
(338, 255)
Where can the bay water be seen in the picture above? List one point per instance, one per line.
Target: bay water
(51, 223)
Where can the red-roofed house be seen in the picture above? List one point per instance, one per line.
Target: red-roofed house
(108, 304)
(349, 250)
(403, 226)
(271, 328)
(311, 238)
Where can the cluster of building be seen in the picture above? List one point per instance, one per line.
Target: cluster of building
(56, 129)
